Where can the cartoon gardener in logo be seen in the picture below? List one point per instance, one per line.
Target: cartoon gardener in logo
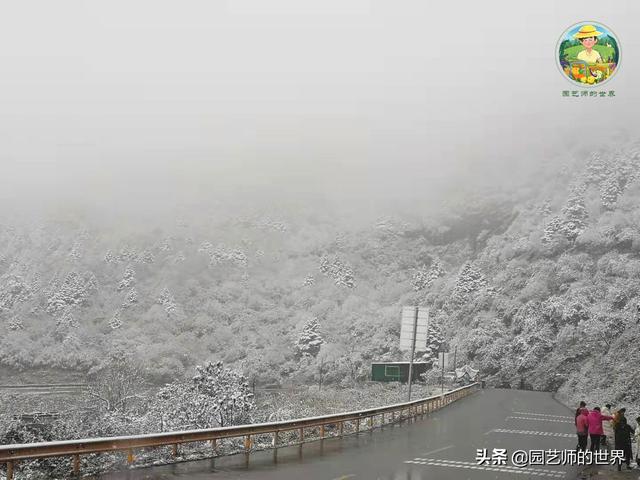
(588, 37)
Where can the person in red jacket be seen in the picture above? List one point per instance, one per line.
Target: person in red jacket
(582, 429)
(595, 420)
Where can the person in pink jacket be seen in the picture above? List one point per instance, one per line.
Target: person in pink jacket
(595, 420)
(582, 428)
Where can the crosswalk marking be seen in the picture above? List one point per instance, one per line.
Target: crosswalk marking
(557, 420)
(532, 432)
(513, 467)
(492, 468)
(543, 415)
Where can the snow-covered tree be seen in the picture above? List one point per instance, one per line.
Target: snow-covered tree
(310, 340)
(128, 279)
(435, 339)
(469, 280)
(76, 251)
(117, 384)
(146, 257)
(424, 277)
(66, 321)
(74, 290)
(553, 227)
(15, 323)
(116, 321)
(340, 272)
(13, 290)
(216, 397)
(575, 213)
(131, 298)
(109, 257)
(167, 301)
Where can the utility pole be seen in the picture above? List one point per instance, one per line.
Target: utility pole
(455, 355)
(413, 349)
(442, 374)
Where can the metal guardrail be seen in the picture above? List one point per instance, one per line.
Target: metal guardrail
(43, 386)
(11, 454)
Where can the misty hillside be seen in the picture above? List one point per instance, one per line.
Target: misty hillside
(540, 283)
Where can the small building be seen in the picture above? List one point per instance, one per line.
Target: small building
(397, 371)
(466, 374)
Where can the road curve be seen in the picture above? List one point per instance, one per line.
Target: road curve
(443, 446)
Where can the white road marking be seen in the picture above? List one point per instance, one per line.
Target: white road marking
(492, 468)
(438, 450)
(557, 420)
(543, 415)
(555, 472)
(345, 477)
(532, 432)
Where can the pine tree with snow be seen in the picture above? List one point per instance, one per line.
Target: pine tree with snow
(310, 340)
(116, 321)
(597, 169)
(553, 227)
(76, 251)
(109, 257)
(73, 291)
(146, 257)
(66, 321)
(166, 300)
(166, 246)
(128, 279)
(469, 280)
(610, 190)
(131, 298)
(575, 213)
(424, 277)
(13, 290)
(309, 281)
(341, 273)
(15, 324)
(435, 339)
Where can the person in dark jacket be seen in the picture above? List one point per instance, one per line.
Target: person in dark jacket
(578, 410)
(622, 433)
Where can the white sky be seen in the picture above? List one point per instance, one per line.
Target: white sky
(156, 100)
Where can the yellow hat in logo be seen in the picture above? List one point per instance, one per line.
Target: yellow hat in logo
(587, 31)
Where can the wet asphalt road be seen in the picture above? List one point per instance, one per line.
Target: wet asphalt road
(440, 447)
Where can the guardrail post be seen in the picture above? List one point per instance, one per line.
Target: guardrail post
(393, 417)
(76, 464)
(10, 470)
(214, 444)
(422, 411)
(301, 430)
(174, 449)
(321, 432)
(275, 439)
(247, 443)
(130, 456)
(370, 424)
(357, 425)
(341, 428)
